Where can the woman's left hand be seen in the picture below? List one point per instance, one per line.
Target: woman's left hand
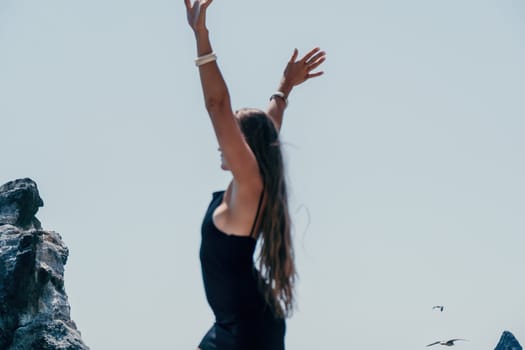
(196, 14)
(297, 72)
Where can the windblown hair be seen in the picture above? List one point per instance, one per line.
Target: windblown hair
(276, 258)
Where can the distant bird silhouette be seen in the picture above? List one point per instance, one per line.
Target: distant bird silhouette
(440, 307)
(446, 343)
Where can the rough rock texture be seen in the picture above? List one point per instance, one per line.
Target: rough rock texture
(508, 342)
(34, 310)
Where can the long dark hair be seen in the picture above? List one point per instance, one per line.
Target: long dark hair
(276, 258)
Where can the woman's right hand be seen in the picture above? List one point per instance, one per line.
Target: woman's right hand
(196, 14)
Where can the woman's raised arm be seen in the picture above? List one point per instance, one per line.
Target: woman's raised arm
(236, 151)
(295, 73)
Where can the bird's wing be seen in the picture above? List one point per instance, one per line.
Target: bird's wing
(453, 340)
(434, 343)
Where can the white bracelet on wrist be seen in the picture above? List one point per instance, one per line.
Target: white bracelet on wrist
(199, 61)
(281, 95)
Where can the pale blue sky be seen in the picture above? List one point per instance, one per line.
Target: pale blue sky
(405, 161)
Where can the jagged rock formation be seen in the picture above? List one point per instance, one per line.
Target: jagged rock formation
(508, 342)
(34, 310)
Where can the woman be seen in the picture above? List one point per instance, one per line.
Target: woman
(249, 304)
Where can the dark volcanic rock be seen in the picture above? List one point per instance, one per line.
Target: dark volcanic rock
(34, 310)
(508, 342)
(19, 202)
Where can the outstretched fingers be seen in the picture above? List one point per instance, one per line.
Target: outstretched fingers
(320, 56)
(313, 64)
(314, 61)
(310, 54)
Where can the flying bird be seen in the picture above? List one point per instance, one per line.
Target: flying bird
(446, 343)
(439, 307)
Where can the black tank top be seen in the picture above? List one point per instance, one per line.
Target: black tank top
(228, 270)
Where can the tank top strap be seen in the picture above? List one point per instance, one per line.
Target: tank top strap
(257, 214)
